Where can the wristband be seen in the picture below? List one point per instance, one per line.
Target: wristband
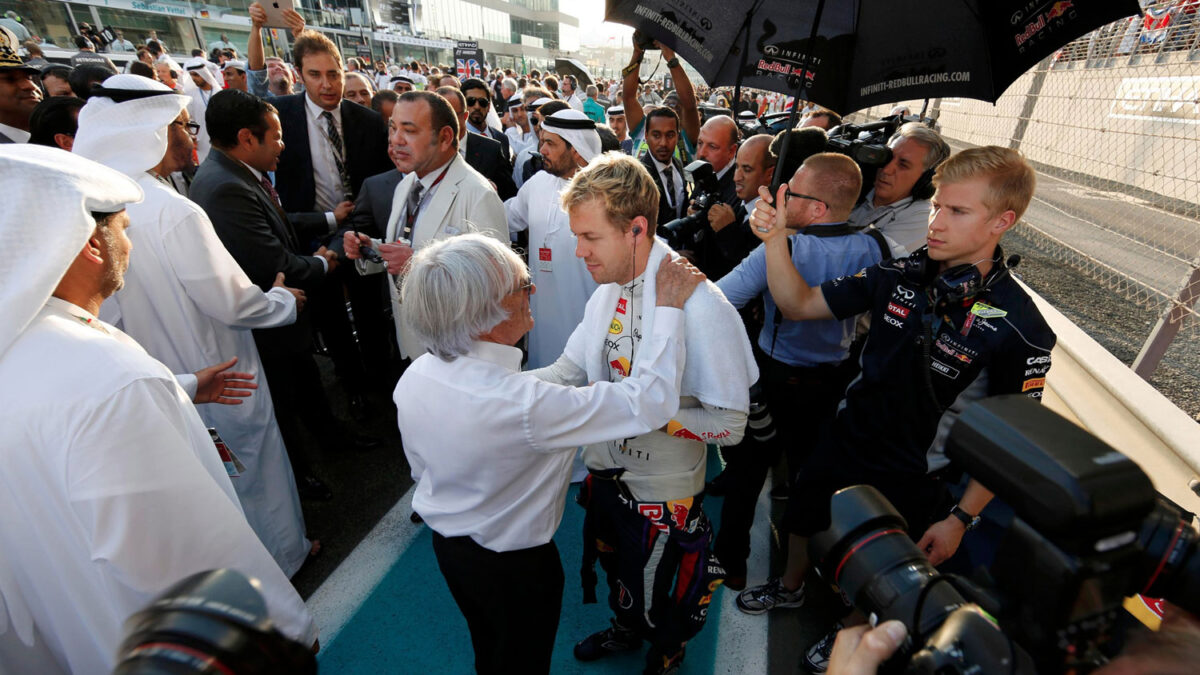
(630, 68)
(969, 521)
(673, 62)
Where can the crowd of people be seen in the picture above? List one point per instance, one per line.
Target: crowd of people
(486, 252)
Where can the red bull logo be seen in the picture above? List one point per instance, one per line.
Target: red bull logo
(677, 430)
(621, 365)
(1059, 8)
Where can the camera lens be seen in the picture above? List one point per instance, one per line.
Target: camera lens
(1170, 568)
(867, 553)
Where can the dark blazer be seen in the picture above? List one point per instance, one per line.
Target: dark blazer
(260, 238)
(717, 253)
(371, 209)
(502, 138)
(727, 190)
(665, 214)
(486, 156)
(364, 134)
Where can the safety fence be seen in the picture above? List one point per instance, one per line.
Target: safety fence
(1112, 122)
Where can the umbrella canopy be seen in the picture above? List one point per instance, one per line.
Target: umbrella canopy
(573, 67)
(868, 52)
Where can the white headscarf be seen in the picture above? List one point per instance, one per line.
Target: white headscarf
(130, 137)
(575, 128)
(54, 194)
(199, 64)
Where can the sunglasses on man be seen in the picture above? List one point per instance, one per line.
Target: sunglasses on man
(481, 101)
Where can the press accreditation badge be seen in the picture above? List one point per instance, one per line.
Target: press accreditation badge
(233, 465)
(545, 260)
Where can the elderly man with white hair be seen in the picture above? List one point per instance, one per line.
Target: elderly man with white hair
(188, 302)
(569, 142)
(112, 490)
(490, 448)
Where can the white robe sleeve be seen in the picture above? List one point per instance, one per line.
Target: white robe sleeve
(517, 211)
(154, 515)
(215, 282)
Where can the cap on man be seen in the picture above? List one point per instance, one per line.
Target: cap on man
(19, 91)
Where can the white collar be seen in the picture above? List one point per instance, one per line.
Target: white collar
(722, 172)
(899, 203)
(427, 180)
(85, 317)
(315, 110)
(17, 135)
(661, 167)
(257, 174)
(494, 352)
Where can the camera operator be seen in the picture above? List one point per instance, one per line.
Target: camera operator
(731, 240)
(948, 326)
(718, 145)
(801, 365)
(898, 204)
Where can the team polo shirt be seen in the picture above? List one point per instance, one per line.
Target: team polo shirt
(995, 343)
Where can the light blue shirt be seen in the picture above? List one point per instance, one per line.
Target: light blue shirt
(819, 259)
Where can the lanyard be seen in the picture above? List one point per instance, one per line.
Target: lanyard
(410, 223)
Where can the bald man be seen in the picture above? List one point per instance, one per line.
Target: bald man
(718, 145)
(730, 239)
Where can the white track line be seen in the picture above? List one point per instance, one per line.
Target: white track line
(742, 638)
(344, 591)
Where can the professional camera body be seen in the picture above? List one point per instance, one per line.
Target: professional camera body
(211, 622)
(682, 233)
(1089, 531)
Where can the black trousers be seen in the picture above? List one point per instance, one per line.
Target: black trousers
(801, 402)
(511, 601)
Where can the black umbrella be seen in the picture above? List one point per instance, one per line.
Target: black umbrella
(867, 52)
(564, 66)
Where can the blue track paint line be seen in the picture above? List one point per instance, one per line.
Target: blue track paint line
(408, 622)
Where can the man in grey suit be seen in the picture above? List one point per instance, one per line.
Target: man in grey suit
(233, 188)
(440, 196)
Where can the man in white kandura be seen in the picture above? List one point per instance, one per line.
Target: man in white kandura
(188, 302)
(569, 142)
(110, 487)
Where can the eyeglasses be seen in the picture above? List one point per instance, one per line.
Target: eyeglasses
(193, 128)
(483, 101)
(527, 287)
(787, 195)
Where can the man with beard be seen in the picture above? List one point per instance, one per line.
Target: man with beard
(479, 103)
(569, 142)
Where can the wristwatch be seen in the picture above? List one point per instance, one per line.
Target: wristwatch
(673, 62)
(969, 521)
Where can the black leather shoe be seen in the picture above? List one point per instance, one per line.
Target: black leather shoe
(311, 487)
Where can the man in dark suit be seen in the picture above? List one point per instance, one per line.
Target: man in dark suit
(331, 145)
(662, 135)
(368, 294)
(716, 254)
(483, 154)
(479, 102)
(233, 188)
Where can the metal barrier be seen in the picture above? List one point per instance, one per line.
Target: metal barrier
(1112, 123)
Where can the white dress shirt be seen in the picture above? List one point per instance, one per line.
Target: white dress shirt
(329, 189)
(491, 448)
(17, 135)
(676, 177)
